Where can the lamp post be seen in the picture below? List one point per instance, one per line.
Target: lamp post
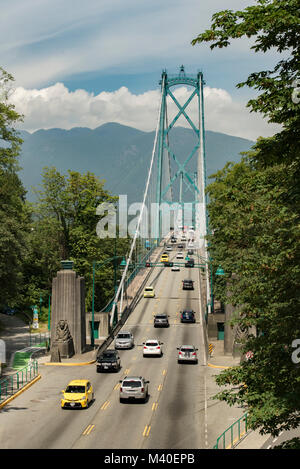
(98, 265)
(122, 265)
(220, 272)
(49, 312)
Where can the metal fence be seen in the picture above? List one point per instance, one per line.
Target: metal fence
(233, 434)
(39, 339)
(13, 383)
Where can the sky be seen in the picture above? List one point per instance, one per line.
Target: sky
(82, 64)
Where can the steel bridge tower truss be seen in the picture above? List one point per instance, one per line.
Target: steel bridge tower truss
(194, 181)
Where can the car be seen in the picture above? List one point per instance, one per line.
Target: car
(109, 360)
(164, 258)
(190, 263)
(187, 316)
(187, 284)
(180, 246)
(8, 311)
(134, 388)
(173, 240)
(169, 248)
(187, 353)
(149, 292)
(175, 268)
(190, 252)
(77, 395)
(161, 320)
(179, 255)
(152, 347)
(183, 238)
(124, 340)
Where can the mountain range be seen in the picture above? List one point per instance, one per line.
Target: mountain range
(116, 153)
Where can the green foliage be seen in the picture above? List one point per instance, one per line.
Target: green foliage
(64, 227)
(254, 215)
(13, 213)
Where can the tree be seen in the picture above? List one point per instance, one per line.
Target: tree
(66, 219)
(274, 24)
(255, 217)
(13, 212)
(256, 240)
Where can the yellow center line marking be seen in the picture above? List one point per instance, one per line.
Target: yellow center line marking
(134, 358)
(146, 430)
(164, 372)
(117, 386)
(105, 405)
(154, 406)
(160, 387)
(126, 371)
(88, 429)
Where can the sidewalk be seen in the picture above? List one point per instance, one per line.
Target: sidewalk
(15, 334)
(140, 278)
(224, 415)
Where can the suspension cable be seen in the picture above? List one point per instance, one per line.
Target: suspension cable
(140, 218)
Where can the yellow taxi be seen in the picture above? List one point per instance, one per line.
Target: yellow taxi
(78, 394)
(149, 292)
(164, 258)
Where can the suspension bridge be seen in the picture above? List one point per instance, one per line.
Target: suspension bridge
(174, 198)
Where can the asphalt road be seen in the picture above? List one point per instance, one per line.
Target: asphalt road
(175, 415)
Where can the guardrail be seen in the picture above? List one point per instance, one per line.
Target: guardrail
(37, 338)
(233, 434)
(13, 383)
(133, 274)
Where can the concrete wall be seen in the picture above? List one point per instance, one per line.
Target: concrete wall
(103, 331)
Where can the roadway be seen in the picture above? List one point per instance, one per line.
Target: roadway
(175, 415)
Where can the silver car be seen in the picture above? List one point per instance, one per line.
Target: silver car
(187, 353)
(134, 388)
(124, 340)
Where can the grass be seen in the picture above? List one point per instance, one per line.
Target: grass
(21, 359)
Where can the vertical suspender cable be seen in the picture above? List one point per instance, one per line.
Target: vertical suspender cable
(139, 220)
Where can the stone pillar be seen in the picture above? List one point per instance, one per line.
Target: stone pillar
(68, 303)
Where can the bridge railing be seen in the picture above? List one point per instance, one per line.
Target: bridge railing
(233, 434)
(134, 273)
(11, 384)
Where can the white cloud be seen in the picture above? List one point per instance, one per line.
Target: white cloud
(43, 41)
(56, 106)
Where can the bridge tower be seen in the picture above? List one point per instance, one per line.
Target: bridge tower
(178, 166)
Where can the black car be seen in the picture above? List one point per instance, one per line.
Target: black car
(187, 285)
(190, 263)
(161, 320)
(173, 240)
(187, 316)
(108, 361)
(180, 246)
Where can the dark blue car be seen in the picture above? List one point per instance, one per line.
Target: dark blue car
(187, 316)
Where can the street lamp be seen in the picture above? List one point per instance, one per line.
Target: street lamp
(98, 265)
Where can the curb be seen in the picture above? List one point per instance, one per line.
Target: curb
(218, 366)
(20, 391)
(68, 364)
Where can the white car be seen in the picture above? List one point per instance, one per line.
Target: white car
(179, 255)
(152, 347)
(175, 268)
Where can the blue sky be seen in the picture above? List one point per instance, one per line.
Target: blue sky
(55, 48)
